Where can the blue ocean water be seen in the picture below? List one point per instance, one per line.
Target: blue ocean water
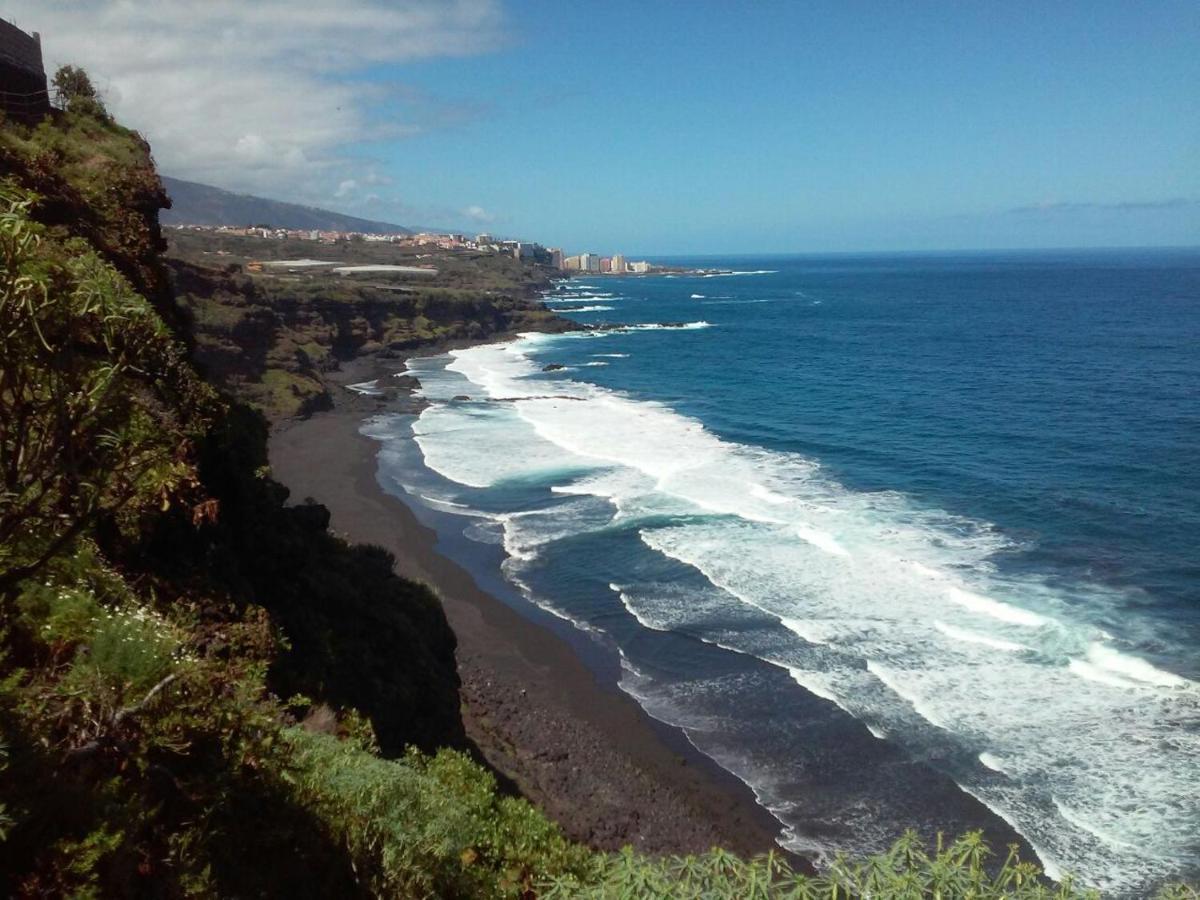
(898, 540)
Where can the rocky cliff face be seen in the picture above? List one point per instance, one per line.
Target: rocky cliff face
(271, 340)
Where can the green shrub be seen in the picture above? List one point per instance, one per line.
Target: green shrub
(130, 651)
(426, 826)
(959, 870)
(98, 408)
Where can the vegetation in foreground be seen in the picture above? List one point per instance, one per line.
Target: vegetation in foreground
(202, 691)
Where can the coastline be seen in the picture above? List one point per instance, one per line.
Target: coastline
(567, 738)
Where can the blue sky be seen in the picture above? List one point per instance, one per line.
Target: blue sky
(736, 127)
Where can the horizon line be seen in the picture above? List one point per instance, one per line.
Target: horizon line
(944, 250)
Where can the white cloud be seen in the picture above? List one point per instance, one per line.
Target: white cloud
(260, 96)
(478, 214)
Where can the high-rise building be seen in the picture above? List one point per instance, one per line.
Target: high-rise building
(556, 258)
(572, 264)
(606, 264)
(618, 263)
(639, 268)
(586, 260)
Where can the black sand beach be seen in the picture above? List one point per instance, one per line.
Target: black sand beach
(573, 744)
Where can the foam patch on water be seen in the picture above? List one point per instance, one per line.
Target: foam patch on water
(994, 608)
(973, 637)
(893, 611)
(661, 326)
(734, 274)
(992, 761)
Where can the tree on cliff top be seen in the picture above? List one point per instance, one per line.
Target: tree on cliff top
(76, 91)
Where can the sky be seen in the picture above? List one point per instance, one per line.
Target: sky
(673, 127)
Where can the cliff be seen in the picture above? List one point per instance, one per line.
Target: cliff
(272, 338)
(158, 595)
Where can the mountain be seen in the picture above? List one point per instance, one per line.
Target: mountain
(202, 204)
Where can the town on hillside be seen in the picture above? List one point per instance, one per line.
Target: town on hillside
(552, 257)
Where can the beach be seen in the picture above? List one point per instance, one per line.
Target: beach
(559, 731)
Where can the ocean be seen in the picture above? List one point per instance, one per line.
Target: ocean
(898, 540)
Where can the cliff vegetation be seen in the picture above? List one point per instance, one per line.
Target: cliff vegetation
(272, 336)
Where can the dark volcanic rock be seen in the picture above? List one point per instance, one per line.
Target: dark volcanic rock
(553, 367)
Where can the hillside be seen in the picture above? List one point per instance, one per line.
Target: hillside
(194, 674)
(273, 338)
(193, 203)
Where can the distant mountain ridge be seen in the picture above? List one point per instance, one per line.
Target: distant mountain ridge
(193, 203)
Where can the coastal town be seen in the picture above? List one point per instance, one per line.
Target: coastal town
(552, 257)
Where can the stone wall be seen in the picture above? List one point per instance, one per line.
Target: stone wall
(22, 76)
(21, 50)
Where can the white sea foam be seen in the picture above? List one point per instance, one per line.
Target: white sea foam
(972, 637)
(992, 761)
(994, 608)
(453, 506)
(897, 682)
(820, 539)
(697, 296)
(732, 274)
(1112, 660)
(1049, 864)
(898, 614)
(656, 326)
(1084, 823)
(644, 621)
(446, 434)
(815, 632)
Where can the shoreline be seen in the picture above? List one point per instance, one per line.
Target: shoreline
(565, 736)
